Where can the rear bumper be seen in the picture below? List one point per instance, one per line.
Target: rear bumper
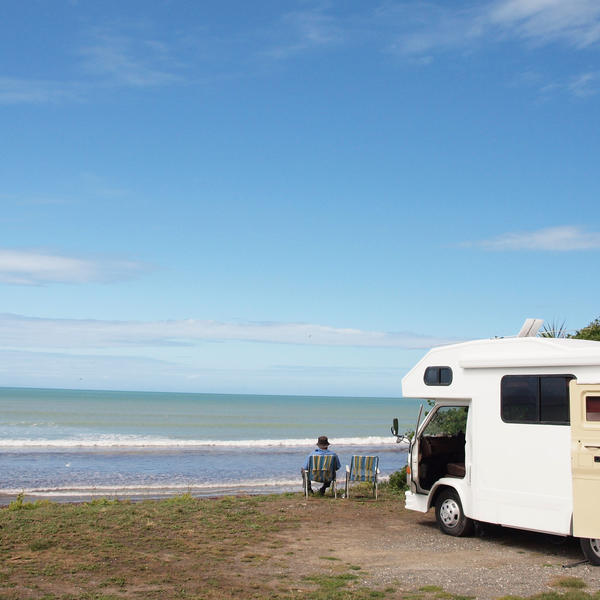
(416, 502)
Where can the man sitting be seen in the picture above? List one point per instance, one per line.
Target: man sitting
(323, 449)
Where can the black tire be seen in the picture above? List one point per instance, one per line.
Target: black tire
(450, 515)
(591, 549)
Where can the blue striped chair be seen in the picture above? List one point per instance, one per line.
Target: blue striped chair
(363, 468)
(320, 469)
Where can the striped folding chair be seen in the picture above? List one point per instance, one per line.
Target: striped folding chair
(363, 468)
(320, 469)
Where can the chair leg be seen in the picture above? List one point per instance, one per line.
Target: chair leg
(334, 489)
(347, 490)
(304, 483)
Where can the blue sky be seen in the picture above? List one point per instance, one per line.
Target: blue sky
(289, 197)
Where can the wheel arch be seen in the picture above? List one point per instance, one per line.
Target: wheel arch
(442, 485)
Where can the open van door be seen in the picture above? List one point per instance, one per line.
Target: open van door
(585, 463)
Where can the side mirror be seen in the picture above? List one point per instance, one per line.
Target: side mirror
(395, 427)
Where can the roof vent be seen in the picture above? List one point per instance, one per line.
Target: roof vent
(530, 327)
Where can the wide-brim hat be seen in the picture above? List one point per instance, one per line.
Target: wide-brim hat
(323, 442)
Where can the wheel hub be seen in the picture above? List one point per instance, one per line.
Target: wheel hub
(595, 546)
(450, 513)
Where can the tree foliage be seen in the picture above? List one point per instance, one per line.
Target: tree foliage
(589, 332)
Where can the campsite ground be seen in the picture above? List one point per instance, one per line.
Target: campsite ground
(271, 547)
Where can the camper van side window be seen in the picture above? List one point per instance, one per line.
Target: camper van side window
(520, 399)
(535, 399)
(554, 394)
(438, 376)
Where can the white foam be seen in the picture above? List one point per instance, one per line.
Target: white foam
(124, 442)
(154, 488)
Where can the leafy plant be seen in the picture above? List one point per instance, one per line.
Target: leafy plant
(554, 330)
(397, 480)
(589, 332)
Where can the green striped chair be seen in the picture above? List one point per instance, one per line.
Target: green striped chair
(320, 469)
(363, 468)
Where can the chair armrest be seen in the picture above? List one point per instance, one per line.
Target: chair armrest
(347, 469)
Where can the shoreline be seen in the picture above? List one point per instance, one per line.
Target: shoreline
(124, 494)
(219, 492)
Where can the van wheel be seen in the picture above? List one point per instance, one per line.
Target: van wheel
(450, 515)
(591, 549)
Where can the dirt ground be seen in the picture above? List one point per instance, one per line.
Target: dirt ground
(406, 550)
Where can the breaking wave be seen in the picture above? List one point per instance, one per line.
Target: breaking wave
(128, 442)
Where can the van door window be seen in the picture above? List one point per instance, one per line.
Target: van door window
(442, 445)
(592, 408)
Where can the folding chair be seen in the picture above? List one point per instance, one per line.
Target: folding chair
(320, 469)
(363, 468)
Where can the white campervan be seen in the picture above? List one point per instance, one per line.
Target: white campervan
(512, 438)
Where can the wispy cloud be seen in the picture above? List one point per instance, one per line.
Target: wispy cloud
(560, 239)
(586, 84)
(429, 27)
(30, 267)
(129, 61)
(300, 31)
(32, 91)
(25, 332)
(110, 59)
(576, 22)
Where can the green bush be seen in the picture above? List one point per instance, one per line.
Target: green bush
(397, 481)
(20, 504)
(589, 332)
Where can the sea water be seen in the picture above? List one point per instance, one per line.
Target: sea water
(78, 444)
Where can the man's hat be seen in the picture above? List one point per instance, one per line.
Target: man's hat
(323, 442)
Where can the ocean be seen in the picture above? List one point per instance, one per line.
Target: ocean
(75, 445)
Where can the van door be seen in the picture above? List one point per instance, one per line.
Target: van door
(585, 458)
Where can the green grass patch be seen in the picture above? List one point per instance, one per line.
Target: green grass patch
(37, 545)
(572, 583)
(431, 588)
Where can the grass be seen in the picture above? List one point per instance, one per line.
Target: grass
(188, 548)
(176, 544)
(572, 583)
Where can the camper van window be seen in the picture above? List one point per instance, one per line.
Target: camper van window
(592, 408)
(438, 376)
(535, 399)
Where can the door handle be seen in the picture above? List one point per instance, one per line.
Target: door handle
(596, 447)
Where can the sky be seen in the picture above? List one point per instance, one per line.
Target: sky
(290, 197)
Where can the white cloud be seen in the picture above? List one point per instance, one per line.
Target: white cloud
(24, 91)
(585, 84)
(29, 267)
(305, 30)
(561, 239)
(129, 61)
(576, 22)
(426, 27)
(113, 60)
(19, 332)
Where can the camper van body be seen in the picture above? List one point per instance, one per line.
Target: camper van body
(528, 455)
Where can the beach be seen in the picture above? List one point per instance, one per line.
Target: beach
(75, 445)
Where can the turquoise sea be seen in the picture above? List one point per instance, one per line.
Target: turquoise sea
(77, 444)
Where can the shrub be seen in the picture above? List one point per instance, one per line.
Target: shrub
(397, 481)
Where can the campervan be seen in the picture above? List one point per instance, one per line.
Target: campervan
(511, 437)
